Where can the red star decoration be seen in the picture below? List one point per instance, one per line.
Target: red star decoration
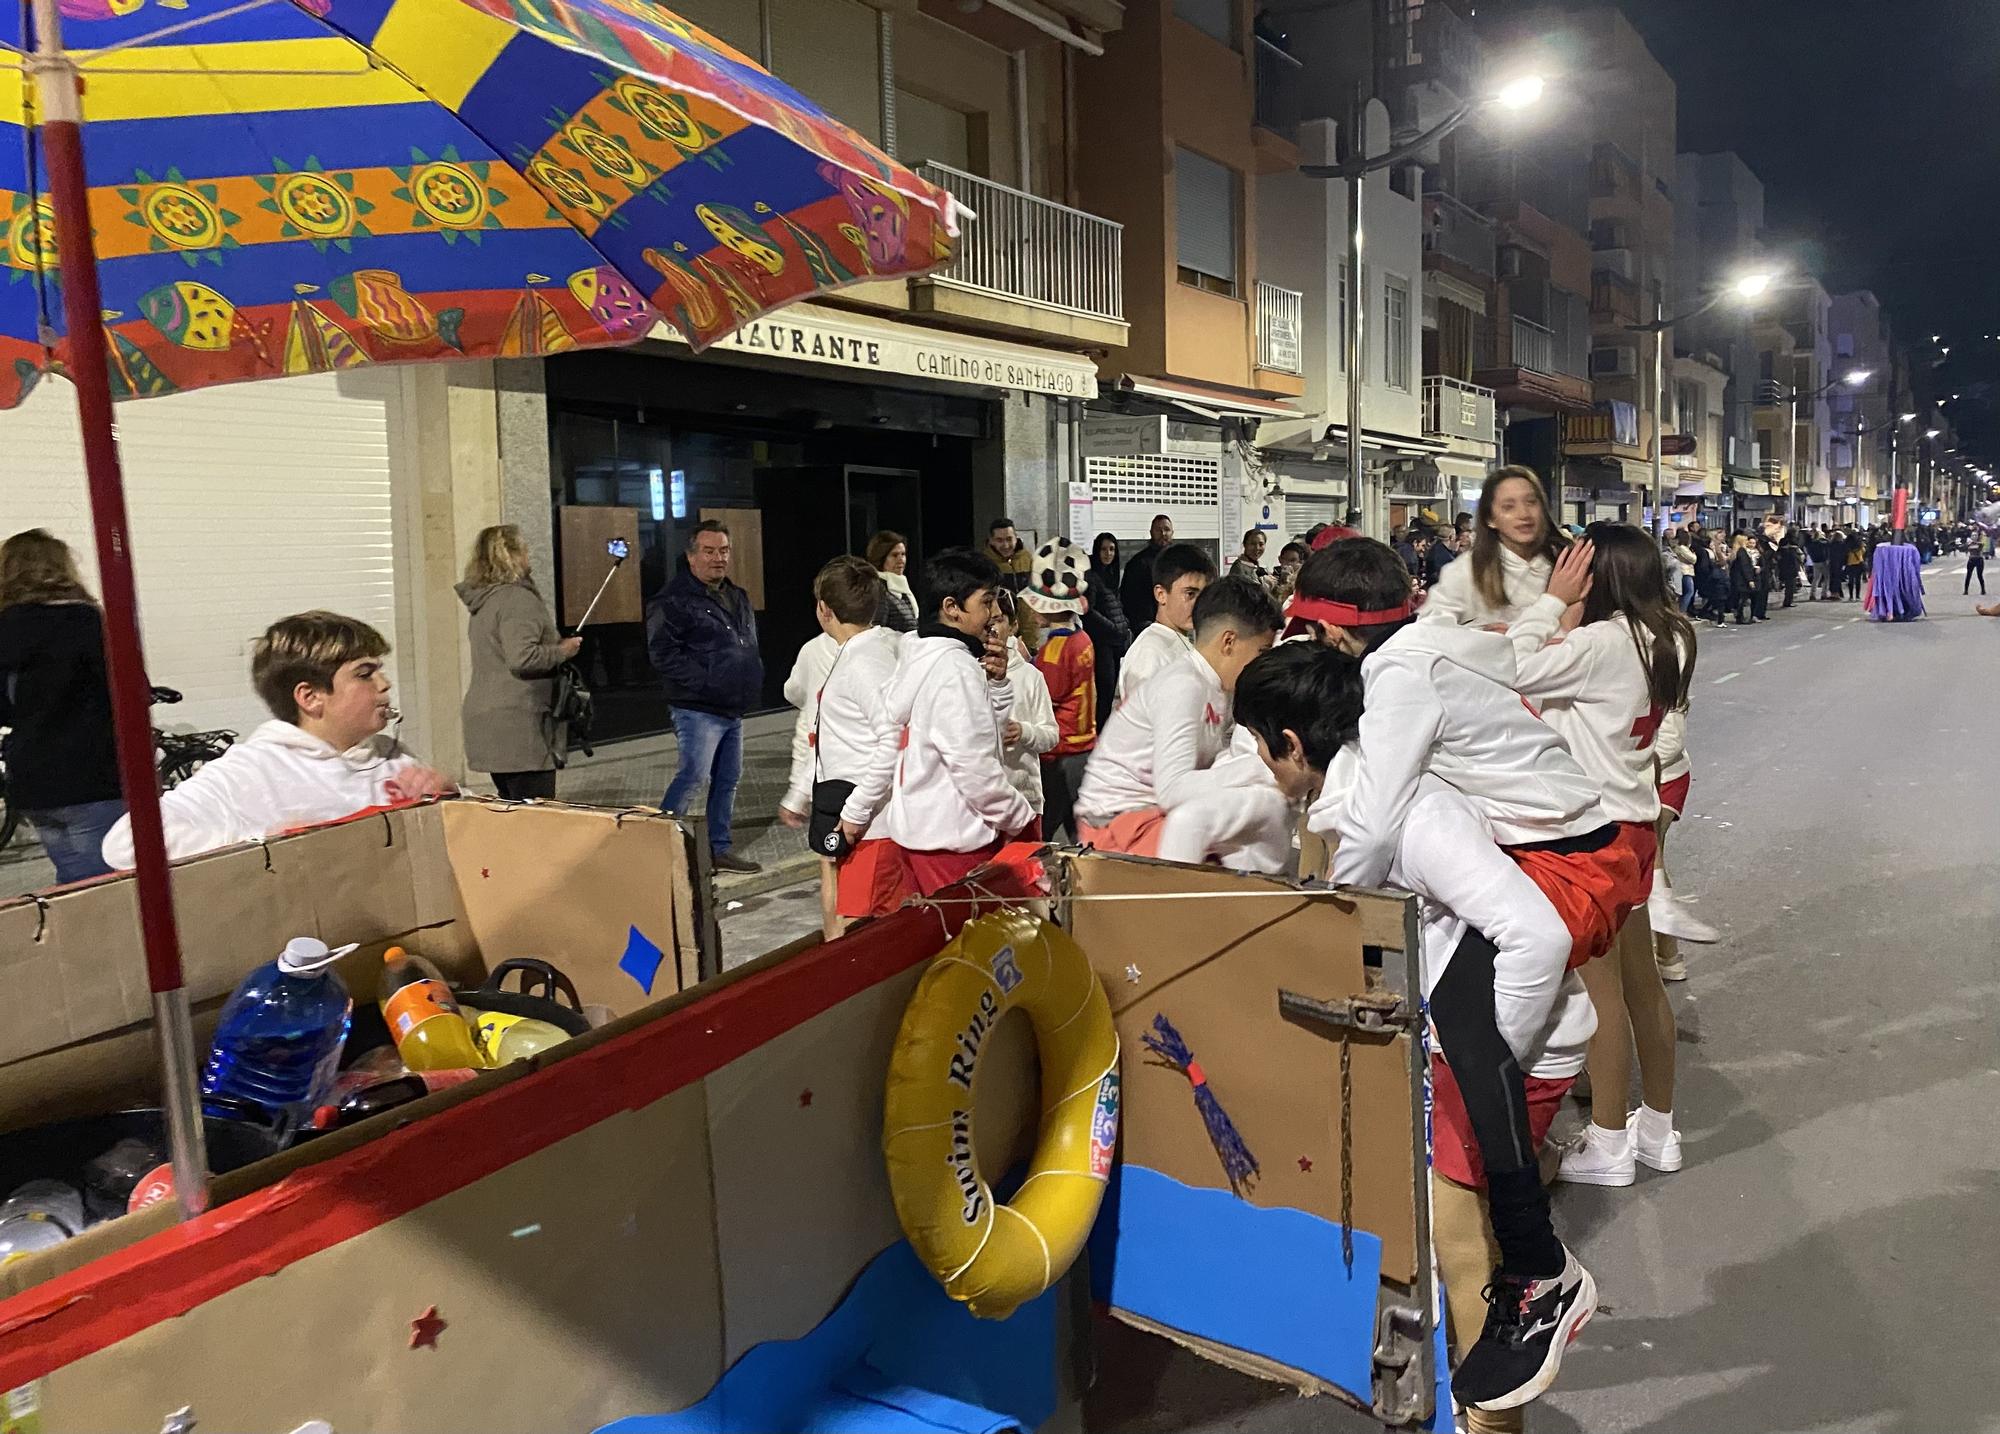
(1305, 1164)
(425, 1329)
(805, 1098)
(485, 873)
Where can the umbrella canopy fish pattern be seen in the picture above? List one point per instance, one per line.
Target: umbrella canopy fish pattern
(310, 185)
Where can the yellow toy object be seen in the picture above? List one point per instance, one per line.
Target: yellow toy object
(993, 1257)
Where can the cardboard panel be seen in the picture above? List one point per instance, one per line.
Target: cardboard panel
(746, 548)
(583, 534)
(776, 1152)
(1214, 968)
(569, 884)
(576, 1285)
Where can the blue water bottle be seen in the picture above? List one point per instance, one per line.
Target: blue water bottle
(278, 1046)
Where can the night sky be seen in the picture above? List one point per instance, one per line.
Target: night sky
(1875, 126)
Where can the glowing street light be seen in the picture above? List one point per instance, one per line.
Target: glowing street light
(1750, 286)
(1519, 93)
(1854, 378)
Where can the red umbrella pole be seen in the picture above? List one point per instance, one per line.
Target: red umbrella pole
(61, 118)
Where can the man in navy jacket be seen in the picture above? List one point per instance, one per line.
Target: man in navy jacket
(702, 636)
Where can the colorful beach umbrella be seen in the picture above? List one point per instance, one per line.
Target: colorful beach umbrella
(211, 191)
(284, 188)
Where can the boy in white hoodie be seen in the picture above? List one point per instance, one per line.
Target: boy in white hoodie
(1473, 802)
(935, 802)
(1301, 705)
(324, 755)
(837, 713)
(1180, 573)
(1170, 730)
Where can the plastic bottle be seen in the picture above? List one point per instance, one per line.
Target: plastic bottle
(39, 1216)
(423, 1016)
(503, 1038)
(281, 1034)
(358, 1105)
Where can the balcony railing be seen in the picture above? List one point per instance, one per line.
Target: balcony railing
(1458, 232)
(1455, 409)
(1281, 316)
(1439, 46)
(1614, 297)
(1533, 346)
(1281, 90)
(1020, 246)
(1772, 471)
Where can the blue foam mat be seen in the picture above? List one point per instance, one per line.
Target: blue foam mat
(896, 1356)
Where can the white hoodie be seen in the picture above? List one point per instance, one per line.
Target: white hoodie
(1671, 746)
(809, 672)
(1590, 686)
(1457, 598)
(937, 777)
(1159, 646)
(1237, 817)
(849, 698)
(1440, 700)
(1035, 712)
(1161, 737)
(279, 778)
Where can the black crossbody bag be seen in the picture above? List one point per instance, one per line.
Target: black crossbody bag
(828, 797)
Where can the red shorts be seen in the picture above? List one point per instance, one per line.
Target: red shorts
(1594, 891)
(878, 876)
(1454, 1148)
(1674, 794)
(871, 880)
(1135, 833)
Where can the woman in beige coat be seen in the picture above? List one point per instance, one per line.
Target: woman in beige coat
(509, 733)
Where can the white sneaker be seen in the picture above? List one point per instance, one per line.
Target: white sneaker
(1669, 916)
(1672, 968)
(1655, 1142)
(1599, 1157)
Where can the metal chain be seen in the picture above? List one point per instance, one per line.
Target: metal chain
(1347, 1152)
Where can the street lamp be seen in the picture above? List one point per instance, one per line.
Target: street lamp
(1853, 378)
(1519, 93)
(1744, 289)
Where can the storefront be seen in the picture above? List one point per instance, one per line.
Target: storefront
(247, 502)
(807, 434)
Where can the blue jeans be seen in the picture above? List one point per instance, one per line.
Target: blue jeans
(74, 837)
(711, 750)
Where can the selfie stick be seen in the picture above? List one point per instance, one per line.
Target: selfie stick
(608, 576)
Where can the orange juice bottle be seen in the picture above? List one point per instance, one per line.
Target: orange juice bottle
(423, 1017)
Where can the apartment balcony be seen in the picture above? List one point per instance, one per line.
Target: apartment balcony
(1772, 471)
(1028, 266)
(1608, 430)
(1527, 367)
(1614, 299)
(1281, 318)
(1459, 239)
(1614, 175)
(1440, 48)
(1461, 413)
(1281, 91)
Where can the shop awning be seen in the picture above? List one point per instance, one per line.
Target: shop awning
(863, 347)
(1204, 401)
(1453, 465)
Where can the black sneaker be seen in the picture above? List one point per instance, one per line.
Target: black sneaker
(1529, 1324)
(729, 861)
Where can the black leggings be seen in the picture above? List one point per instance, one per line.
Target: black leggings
(1976, 570)
(1496, 1102)
(522, 786)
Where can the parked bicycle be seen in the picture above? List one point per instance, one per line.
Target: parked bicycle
(176, 755)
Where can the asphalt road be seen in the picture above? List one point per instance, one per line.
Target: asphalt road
(1827, 1260)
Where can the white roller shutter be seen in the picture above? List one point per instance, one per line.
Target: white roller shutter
(247, 503)
(1131, 490)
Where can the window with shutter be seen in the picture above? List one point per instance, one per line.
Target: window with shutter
(1206, 200)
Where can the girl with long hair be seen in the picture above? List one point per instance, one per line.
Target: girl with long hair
(1605, 657)
(889, 555)
(1514, 546)
(62, 759)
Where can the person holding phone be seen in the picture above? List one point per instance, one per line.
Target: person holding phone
(510, 733)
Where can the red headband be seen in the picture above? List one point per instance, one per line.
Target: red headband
(1343, 614)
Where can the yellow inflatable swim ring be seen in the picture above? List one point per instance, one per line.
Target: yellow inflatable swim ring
(995, 1257)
